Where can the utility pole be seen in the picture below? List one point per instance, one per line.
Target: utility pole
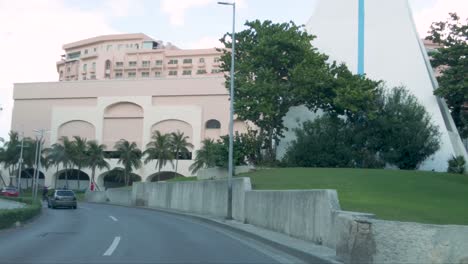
(231, 112)
(20, 166)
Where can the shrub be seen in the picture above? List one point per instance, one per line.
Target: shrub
(8, 217)
(404, 130)
(456, 165)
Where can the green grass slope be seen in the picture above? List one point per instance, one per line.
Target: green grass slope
(426, 197)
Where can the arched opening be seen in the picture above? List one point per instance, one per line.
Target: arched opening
(115, 178)
(213, 124)
(79, 128)
(163, 176)
(212, 129)
(118, 118)
(27, 178)
(73, 178)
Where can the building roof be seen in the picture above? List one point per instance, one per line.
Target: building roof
(114, 37)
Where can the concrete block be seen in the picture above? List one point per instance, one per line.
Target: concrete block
(96, 196)
(304, 214)
(120, 196)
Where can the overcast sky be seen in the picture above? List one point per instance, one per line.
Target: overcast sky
(32, 32)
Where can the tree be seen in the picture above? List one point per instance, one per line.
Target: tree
(205, 157)
(451, 59)
(129, 156)
(406, 133)
(180, 145)
(159, 149)
(67, 158)
(97, 159)
(79, 157)
(278, 68)
(55, 154)
(11, 155)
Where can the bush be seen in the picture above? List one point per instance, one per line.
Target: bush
(456, 165)
(404, 130)
(8, 217)
(402, 134)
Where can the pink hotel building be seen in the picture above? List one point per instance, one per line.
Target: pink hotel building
(125, 87)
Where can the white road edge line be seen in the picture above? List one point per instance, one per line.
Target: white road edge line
(112, 247)
(113, 218)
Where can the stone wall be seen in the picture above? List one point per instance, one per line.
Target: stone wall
(120, 196)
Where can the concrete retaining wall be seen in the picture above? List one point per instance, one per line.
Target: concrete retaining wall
(380, 241)
(120, 196)
(201, 197)
(312, 215)
(96, 197)
(304, 214)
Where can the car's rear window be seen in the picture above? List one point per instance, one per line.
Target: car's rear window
(65, 193)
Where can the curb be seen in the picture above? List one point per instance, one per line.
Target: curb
(302, 255)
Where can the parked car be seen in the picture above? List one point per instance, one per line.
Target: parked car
(62, 198)
(9, 191)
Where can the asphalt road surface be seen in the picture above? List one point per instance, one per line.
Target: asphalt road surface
(112, 234)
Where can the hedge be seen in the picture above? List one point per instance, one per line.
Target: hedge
(8, 217)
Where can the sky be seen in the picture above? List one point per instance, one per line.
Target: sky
(32, 32)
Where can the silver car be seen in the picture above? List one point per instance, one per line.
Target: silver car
(62, 198)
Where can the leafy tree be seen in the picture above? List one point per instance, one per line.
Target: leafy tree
(129, 156)
(405, 130)
(267, 55)
(452, 61)
(159, 149)
(79, 157)
(277, 68)
(97, 159)
(205, 157)
(180, 145)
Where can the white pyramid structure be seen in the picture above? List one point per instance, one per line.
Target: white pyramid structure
(379, 38)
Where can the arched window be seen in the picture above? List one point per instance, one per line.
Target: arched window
(213, 124)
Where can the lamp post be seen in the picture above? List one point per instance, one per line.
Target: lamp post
(231, 112)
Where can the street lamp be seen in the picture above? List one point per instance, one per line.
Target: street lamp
(231, 112)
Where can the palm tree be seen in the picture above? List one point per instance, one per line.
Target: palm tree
(80, 159)
(96, 157)
(205, 157)
(67, 158)
(159, 149)
(179, 145)
(11, 154)
(55, 155)
(129, 156)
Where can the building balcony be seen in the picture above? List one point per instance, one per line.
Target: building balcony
(89, 56)
(157, 67)
(144, 67)
(84, 72)
(172, 66)
(187, 65)
(201, 65)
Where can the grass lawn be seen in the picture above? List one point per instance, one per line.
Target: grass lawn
(426, 197)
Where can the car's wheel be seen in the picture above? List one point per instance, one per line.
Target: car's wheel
(74, 207)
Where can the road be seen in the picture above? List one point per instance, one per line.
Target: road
(97, 233)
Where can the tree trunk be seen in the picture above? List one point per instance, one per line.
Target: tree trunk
(66, 176)
(56, 177)
(78, 177)
(125, 177)
(176, 164)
